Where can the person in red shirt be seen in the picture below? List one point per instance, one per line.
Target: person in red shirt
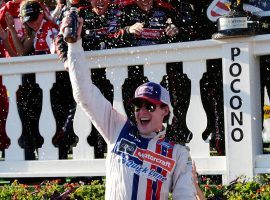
(10, 9)
(37, 34)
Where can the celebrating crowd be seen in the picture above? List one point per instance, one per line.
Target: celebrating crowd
(30, 27)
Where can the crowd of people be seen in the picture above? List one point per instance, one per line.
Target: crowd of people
(30, 27)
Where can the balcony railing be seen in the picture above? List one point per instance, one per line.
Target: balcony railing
(241, 96)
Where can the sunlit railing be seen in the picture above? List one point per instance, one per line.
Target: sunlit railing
(242, 106)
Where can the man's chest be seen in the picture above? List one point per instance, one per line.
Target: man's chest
(154, 19)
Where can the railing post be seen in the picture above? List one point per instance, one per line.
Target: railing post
(82, 128)
(47, 125)
(196, 116)
(117, 77)
(242, 108)
(13, 124)
(155, 72)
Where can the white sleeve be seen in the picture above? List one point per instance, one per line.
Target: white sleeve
(183, 187)
(106, 119)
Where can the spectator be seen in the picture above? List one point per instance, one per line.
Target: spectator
(11, 8)
(11, 23)
(58, 11)
(100, 27)
(39, 31)
(38, 34)
(150, 22)
(6, 44)
(37, 39)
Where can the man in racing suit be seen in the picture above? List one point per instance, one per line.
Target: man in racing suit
(149, 22)
(141, 163)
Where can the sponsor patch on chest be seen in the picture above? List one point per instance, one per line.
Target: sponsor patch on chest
(130, 148)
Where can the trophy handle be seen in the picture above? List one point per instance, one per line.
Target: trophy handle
(237, 5)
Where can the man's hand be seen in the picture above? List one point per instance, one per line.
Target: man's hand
(66, 21)
(60, 4)
(171, 30)
(136, 28)
(64, 24)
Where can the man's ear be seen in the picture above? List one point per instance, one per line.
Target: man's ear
(166, 110)
(166, 116)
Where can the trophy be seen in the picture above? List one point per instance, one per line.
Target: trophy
(235, 23)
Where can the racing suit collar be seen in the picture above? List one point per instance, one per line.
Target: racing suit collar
(155, 135)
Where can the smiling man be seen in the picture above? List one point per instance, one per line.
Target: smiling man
(100, 6)
(151, 107)
(141, 162)
(149, 22)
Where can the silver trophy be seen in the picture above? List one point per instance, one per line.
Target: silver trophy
(235, 24)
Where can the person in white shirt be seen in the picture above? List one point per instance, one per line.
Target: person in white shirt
(141, 162)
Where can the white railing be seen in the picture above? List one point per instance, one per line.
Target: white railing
(241, 84)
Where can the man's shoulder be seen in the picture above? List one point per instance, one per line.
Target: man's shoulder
(47, 24)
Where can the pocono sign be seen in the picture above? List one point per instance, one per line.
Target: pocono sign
(221, 7)
(236, 102)
(241, 95)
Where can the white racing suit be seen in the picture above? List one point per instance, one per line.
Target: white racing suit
(136, 167)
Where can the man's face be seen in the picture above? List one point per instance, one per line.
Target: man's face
(149, 117)
(35, 25)
(100, 7)
(145, 5)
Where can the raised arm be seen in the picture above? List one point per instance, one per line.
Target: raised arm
(107, 120)
(4, 37)
(22, 47)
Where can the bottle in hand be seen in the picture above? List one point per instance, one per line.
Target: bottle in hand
(70, 32)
